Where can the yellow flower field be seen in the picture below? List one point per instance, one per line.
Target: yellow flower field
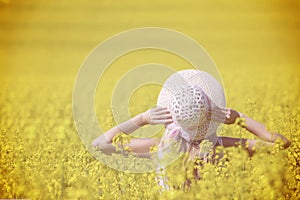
(255, 45)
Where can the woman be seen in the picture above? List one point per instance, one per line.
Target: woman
(190, 107)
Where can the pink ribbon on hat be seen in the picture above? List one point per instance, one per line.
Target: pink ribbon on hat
(176, 131)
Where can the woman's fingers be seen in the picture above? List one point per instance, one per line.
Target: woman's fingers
(160, 115)
(159, 111)
(162, 121)
(219, 110)
(165, 111)
(218, 119)
(166, 116)
(219, 114)
(159, 108)
(215, 116)
(223, 115)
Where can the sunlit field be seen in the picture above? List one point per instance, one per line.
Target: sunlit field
(255, 45)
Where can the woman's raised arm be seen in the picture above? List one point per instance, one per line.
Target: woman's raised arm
(229, 116)
(157, 115)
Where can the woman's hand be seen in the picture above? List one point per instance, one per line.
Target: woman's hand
(157, 115)
(222, 115)
(285, 142)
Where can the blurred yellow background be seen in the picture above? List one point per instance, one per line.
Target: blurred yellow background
(49, 40)
(54, 37)
(255, 45)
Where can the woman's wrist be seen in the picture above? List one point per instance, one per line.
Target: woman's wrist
(144, 118)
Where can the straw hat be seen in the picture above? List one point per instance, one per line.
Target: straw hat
(188, 94)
